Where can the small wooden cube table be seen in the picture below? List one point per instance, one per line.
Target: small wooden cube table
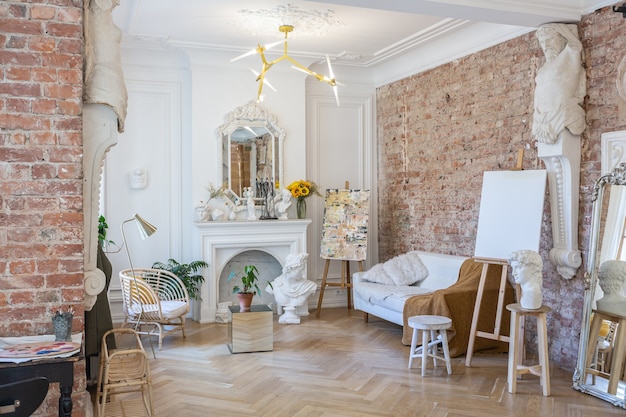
(251, 331)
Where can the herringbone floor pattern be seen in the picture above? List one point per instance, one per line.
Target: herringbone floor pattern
(340, 366)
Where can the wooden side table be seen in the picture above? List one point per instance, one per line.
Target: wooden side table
(55, 370)
(251, 331)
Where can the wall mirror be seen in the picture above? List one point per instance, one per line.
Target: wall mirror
(597, 370)
(250, 150)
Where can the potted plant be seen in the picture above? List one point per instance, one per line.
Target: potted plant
(186, 273)
(249, 286)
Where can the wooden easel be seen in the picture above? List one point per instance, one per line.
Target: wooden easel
(500, 308)
(346, 282)
(474, 333)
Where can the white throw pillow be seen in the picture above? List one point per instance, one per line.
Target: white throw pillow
(405, 269)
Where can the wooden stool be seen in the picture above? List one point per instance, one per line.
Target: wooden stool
(619, 349)
(516, 347)
(429, 326)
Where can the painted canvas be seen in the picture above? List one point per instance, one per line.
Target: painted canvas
(344, 231)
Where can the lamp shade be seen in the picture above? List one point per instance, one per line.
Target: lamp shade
(145, 228)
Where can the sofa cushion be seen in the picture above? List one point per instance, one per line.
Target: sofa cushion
(390, 296)
(405, 269)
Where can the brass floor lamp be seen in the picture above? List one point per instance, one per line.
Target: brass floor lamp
(145, 230)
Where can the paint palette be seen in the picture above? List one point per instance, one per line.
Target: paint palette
(39, 349)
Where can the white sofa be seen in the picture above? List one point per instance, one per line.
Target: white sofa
(387, 301)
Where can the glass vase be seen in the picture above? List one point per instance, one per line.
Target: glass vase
(301, 208)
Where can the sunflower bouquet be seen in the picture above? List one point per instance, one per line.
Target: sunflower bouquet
(300, 190)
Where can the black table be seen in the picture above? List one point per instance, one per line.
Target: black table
(55, 370)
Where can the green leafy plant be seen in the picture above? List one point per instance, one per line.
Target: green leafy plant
(102, 232)
(248, 280)
(187, 273)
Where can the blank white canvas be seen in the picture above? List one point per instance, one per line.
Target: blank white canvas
(511, 211)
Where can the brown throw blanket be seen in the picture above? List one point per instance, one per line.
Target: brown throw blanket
(457, 302)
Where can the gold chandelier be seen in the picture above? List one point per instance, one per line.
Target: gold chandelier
(330, 80)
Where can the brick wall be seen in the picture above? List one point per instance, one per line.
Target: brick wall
(438, 132)
(41, 219)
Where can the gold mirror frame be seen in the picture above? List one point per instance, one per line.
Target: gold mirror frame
(583, 381)
(251, 116)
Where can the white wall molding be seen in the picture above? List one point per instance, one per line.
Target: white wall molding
(612, 150)
(341, 146)
(152, 141)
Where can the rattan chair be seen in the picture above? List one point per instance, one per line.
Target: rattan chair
(154, 297)
(124, 370)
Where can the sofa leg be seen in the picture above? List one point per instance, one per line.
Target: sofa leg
(365, 317)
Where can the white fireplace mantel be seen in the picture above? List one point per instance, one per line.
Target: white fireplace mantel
(219, 242)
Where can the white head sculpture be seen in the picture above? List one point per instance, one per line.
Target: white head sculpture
(295, 261)
(612, 279)
(527, 268)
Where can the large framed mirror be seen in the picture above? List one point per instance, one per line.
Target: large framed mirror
(600, 366)
(250, 150)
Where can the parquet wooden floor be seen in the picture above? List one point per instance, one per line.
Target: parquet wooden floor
(340, 366)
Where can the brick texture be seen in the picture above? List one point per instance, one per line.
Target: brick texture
(41, 216)
(439, 130)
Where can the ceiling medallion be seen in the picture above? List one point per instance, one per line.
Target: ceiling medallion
(309, 22)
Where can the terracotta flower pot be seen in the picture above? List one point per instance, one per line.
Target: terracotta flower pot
(245, 299)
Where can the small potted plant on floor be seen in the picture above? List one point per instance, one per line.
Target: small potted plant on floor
(248, 288)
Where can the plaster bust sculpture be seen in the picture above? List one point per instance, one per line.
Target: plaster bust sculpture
(104, 79)
(283, 203)
(291, 290)
(560, 84)
(527, 268)
(612, 278)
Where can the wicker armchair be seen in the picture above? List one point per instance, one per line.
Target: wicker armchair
(154, 297)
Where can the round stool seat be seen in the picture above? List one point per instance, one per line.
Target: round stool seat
(430, 322)
(434, 334)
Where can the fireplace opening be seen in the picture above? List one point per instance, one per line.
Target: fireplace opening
(268, 266)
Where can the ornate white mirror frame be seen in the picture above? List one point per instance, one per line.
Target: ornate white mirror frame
(609, 211)
(250, 116)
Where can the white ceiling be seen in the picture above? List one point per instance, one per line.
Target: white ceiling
(352, 32)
